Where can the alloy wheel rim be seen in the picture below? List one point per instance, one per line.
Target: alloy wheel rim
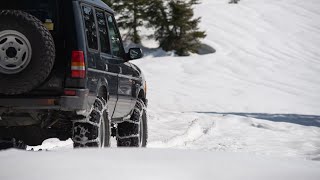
(15, 52)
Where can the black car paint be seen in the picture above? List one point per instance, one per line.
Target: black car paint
(122, 81)
(116, 74)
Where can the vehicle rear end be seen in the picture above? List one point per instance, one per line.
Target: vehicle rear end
(57, 16)
(42, 63)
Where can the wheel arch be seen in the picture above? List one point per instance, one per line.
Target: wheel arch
(102, 90)
(142, 96)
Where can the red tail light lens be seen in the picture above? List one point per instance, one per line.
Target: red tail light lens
(78, 66)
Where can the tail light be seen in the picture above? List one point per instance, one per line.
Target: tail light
(78, 66)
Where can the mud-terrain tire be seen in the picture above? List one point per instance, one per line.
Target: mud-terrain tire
(93, 130)
(27, 52)
(134, 132)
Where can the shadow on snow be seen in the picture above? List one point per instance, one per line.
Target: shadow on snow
(305, 120)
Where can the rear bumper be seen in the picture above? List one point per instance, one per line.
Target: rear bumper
(64, 103)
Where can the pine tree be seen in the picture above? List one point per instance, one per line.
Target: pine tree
(108, 2)
(157, 17)
(184, 35)
(130, 16)
(175, 25)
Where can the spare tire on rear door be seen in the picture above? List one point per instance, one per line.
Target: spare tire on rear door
(27, 52)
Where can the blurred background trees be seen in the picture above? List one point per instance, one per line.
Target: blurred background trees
(130, 16)
(175, 27)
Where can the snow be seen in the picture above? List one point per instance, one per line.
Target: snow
(249, 111)
(124, 164)
(259, 93)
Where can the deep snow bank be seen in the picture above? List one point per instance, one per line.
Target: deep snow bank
(150, 164)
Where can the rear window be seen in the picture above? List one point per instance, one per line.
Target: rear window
(90, 27)
(103, 32)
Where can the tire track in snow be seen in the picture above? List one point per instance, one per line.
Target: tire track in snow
(194, 132)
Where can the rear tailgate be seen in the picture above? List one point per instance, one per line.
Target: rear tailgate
(53, 15)
(50, 13)
(58, 16)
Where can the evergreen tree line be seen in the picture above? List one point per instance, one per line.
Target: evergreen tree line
(175, 27)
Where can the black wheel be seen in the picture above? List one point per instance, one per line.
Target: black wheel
(27, 52)
(134, 132)
(12, 143)
(5, 144)
(93, 130)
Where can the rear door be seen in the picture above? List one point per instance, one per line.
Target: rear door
(101, 70)
(125, 83)
(92, 43)
(107, 64)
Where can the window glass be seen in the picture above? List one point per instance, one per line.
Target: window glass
(90, 27)
(116, 46)
(103, 33)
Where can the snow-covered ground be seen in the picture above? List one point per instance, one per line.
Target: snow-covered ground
(253, 106)
(151, 164)
(259, 93)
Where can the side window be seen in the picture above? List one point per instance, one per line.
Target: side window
(103, 33)
(116, 46)
(90, 27)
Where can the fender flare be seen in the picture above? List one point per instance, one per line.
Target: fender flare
(103, 88)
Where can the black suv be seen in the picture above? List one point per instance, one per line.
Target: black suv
(64, 74)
